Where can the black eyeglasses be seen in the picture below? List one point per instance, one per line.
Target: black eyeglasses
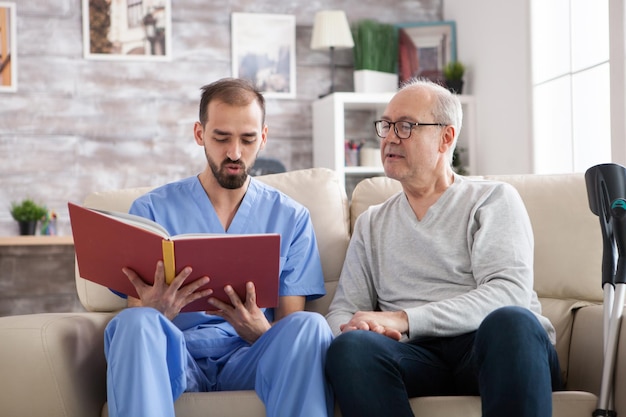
(402, 129)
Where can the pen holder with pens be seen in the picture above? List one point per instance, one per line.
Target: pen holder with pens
(360, 154)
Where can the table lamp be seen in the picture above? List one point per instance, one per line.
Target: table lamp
(331, 31)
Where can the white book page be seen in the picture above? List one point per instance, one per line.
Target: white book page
(138, 221)
(184, 236)
(221, 235)
(156, 228)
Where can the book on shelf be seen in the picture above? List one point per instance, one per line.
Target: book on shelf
(107, 241)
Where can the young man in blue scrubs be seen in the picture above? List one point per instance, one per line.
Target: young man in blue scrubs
(155, 353)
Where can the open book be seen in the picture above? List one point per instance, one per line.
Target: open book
(107, 241)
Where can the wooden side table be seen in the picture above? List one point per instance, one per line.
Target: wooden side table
(37, 275)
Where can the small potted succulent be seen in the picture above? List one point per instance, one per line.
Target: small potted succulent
(453, 75)
(27, 213)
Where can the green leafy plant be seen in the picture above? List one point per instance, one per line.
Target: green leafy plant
(453, 70)
(457, 162)
(27, 210)
(375, 46)
(99, 24)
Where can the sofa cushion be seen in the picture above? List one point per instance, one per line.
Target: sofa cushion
(568, 239)
(565, 404)
(568, 242)
(319, 190)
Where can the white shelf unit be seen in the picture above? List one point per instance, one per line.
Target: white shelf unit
(330, 114)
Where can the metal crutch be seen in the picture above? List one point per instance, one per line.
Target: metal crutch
(606, 187)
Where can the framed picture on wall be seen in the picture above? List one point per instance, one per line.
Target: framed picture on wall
(425, 48)
(264, 52)
(127, 29)
(8, 48)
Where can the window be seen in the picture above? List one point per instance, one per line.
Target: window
(571, 87)
(135, 13)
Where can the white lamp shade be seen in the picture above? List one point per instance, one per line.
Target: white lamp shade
(331, 29)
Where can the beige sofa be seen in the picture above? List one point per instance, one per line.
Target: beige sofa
(52, 365)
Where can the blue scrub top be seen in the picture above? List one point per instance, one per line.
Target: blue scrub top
(184, 207)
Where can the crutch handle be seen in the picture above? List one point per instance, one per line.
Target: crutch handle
(606, 183)
(618, 213)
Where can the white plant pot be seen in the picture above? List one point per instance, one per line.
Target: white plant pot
(368, 81)
(370, 157)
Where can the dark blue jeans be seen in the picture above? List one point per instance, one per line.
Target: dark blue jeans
(509, 361)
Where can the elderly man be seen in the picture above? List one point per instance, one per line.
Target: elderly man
(436, 294)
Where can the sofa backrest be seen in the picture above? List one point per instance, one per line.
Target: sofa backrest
(568, 241)
(568, 244)
(318, 189)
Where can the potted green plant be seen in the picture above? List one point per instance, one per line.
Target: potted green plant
(453, 73)
(375, 56)
(27, 213)
(457, 163)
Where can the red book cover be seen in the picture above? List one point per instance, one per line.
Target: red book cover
(105, 242)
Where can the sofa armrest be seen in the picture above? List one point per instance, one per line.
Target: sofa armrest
(586, 355)
(586, 350)
(53, 364)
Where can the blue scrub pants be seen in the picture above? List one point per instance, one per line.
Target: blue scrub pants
(149, 366)
(509, 361)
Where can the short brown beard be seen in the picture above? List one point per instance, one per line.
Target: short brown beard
(230, 182)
